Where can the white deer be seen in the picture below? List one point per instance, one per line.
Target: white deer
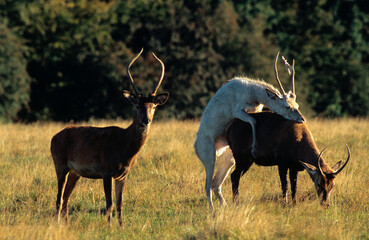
(236, 99)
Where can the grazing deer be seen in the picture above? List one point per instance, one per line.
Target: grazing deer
(107, 153)
(237, 99)
(285, 143)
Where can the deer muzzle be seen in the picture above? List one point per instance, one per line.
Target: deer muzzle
(302, 120)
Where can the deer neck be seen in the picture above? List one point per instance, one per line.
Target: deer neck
(311, 157)
(139, 133)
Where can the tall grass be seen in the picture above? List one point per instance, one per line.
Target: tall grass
(165, 199)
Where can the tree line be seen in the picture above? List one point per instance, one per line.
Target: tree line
(65, 60)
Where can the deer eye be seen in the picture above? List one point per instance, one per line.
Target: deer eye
(288, 107)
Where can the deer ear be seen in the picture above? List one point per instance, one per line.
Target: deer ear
(273, 95)
(130, 96)
(162, 98)
(310, 168)
(290, 94)
(337, 166)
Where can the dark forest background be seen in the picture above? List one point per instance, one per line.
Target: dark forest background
(65, 60)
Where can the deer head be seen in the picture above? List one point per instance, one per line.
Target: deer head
(289, 107)
(323, 177)
(145, 105)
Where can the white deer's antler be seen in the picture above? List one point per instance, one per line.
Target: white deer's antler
(291, 71)
(287, 65)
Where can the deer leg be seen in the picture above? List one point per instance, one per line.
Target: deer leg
(283, 176)
(225, 162)
(62, 179)
(205, 150)
(235, 178)
(71, 183)
(242, 115)
(241, 168)
(119, 186)
(254, 150)
(293, 181)
(107, 189)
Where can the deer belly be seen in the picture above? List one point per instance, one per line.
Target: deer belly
(88, 171)
(265, 161)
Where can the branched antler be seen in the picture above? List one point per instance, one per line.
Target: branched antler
(276, 74)
(291, 71)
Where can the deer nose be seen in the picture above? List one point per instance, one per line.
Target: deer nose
(301, 119)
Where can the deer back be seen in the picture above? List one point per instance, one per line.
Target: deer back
(272, 132)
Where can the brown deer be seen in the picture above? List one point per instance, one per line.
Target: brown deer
(107, 153)
(285, 143)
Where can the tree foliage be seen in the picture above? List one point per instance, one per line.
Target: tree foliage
(330, 41)
(77, 52)
(197, 41)
(14, 79)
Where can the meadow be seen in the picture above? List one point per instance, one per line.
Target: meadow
(164, 196)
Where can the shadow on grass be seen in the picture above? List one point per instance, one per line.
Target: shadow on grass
(277, 199)
(75, 209)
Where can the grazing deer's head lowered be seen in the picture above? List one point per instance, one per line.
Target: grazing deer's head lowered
(107, 153)
(323, 176)
(284, 143)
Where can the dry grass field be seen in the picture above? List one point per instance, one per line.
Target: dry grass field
(165, 199)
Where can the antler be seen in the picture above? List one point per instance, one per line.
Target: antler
(291, 71)
(344, 165)
(320, 169)
(161, 76)
(129, 73)
(276, 74)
